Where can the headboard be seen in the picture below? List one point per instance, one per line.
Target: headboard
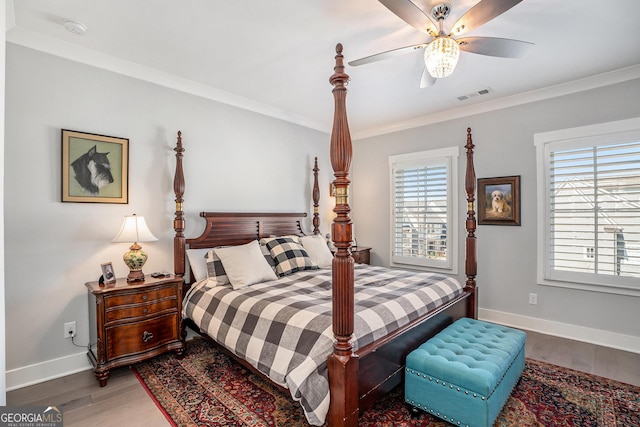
(237, 228)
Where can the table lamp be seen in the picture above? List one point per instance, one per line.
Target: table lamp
(134, 229)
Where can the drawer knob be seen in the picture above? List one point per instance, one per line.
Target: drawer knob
(144, 311)
(145, 297)
(147, 336)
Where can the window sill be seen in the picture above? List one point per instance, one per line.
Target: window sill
(424, 268)
(607, 289)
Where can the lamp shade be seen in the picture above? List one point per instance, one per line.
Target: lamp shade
(134, 229)
(441, 56)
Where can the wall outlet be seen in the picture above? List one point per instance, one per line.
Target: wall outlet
(70, 329)
(533, 299)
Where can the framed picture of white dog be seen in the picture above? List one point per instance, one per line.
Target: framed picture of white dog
(95, 168)
(499, 200)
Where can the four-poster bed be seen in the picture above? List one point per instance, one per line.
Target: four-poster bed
(359, 370)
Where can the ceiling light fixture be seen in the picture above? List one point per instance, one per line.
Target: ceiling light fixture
(441, 55)
(75, 27)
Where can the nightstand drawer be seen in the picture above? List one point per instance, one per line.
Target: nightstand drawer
(139, 297)
(141, 336)
(132, 311)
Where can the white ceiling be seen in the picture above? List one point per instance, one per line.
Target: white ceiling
(275, 57)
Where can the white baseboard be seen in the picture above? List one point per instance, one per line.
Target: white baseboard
(563, 330)
(47, 370)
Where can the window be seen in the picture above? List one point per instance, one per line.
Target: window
(589, 207)
(423, 208)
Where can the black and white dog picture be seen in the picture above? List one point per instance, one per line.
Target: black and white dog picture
(94, 168)
(92, 171)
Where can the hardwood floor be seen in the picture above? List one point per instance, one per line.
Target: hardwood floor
(125, 402)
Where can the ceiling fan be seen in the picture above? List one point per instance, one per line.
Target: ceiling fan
(442, 50)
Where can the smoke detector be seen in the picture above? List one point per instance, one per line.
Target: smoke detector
(75, 27)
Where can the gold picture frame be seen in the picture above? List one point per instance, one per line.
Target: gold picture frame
(95, 168)
(499, 200)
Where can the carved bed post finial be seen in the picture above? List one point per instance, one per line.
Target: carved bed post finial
(471, 266)
(342, 363)
(178, 222)
(316, 198)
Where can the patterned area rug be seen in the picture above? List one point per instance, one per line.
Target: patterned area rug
(206, 388)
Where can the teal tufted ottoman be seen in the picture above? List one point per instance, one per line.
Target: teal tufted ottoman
(465, 373)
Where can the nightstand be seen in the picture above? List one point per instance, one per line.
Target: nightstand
(360, 254)
(132, 322)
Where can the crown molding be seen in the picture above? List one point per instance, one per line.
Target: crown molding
(56, 47)
(53, 46)
(587, 83)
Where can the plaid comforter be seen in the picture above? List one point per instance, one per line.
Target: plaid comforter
(284, 327)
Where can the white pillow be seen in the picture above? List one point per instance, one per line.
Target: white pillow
(245, 264)
(317, 249)
(198, 263)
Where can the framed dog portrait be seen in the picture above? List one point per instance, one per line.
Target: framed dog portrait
(499, 200)
(95, 168)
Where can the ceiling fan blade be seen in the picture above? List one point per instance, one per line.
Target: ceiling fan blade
(427, 79)
(412, 14)
(493, 46)
(388, 54)
(483, 11)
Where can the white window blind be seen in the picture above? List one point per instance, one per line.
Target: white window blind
(422, 209)
(591, 209)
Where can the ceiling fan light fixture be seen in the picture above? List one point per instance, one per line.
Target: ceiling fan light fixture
(441, 56)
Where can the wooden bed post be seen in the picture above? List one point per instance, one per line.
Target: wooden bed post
(471, 263)
(178, 222)
(316, 198)
(342, 363)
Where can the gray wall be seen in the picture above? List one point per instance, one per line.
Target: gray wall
(235, 160)
(53, 248)
(507, 254)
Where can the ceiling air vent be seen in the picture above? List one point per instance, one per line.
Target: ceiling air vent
(474, 94)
